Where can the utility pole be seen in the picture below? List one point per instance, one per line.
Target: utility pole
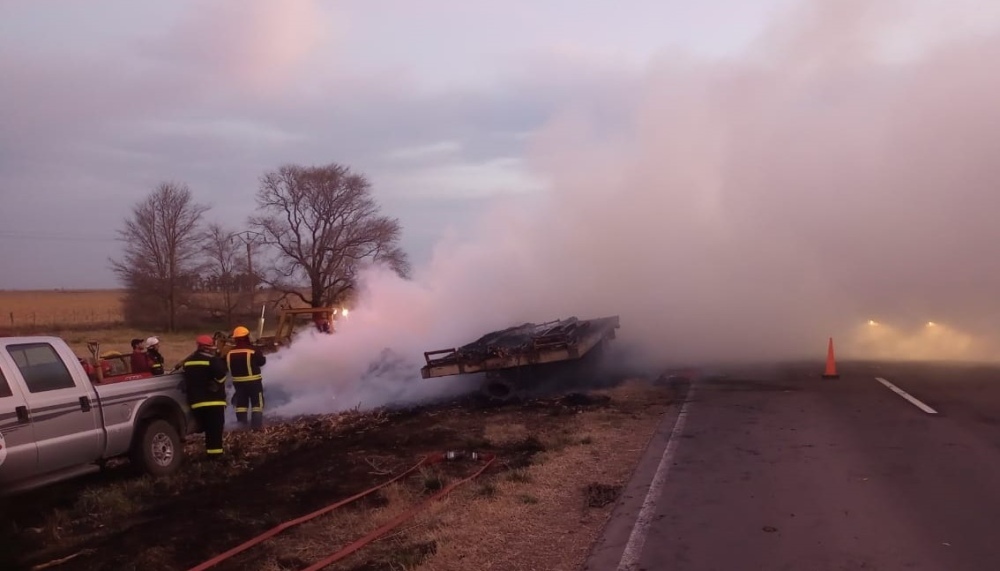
(249, 237)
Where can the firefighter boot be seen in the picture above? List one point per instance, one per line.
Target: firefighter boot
(241, 402)
(257, 407)
(241, 416)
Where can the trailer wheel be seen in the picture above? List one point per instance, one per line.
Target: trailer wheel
(158, 449)
(499, 388)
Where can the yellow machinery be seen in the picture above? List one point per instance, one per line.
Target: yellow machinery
(322, 319)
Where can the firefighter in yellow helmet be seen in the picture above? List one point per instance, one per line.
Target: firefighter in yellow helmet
(245, 362)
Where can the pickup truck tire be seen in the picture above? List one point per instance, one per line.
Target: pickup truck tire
(158, 450)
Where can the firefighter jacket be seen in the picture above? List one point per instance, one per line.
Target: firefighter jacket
(155, 361)
(244, 363)
(205, 379)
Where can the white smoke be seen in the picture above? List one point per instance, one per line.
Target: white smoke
(373, 359)
(748, 210)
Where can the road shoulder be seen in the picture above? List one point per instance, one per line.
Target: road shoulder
(607, 552)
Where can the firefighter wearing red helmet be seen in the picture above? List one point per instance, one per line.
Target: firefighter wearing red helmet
(205, 379)
(244, 363)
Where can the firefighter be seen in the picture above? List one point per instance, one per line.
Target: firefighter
(205, 379)
(155, 357)
(244, 363)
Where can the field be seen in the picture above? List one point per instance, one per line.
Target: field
(60, 309)
(560, 464)
(28, 310)
(79, 316)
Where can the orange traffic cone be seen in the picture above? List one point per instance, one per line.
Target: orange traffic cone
(831, 364)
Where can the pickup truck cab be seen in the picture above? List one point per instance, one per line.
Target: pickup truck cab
(56, 422)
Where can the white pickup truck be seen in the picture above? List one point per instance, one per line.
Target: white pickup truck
(58, 422)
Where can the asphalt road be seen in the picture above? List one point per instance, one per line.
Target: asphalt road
(781, 470)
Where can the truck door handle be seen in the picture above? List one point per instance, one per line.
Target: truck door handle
(22, 414)
(85, 404)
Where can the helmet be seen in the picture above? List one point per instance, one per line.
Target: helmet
(241, 331)
(152, 341)
(205, 341)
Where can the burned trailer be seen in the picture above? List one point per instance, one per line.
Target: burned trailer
(524, 357)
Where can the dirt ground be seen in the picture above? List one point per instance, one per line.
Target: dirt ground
(559, 466)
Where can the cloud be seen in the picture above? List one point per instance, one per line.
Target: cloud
(82, 138)
(427, 151)
(253, 47)
(463, 179)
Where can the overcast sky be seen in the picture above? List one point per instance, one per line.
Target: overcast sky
(851, 145)
(433, 100)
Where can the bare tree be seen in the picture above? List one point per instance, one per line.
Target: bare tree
(227, 266)
(324, 225)
(162, 247)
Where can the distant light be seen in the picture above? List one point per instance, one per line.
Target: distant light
(344, 312)
(872, 322)
(931, 324)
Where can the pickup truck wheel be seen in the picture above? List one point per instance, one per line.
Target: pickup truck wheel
(159, 450)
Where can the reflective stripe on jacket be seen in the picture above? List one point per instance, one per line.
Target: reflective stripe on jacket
(205, 380)
(244, 364)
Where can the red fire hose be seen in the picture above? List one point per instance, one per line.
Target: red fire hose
(349, 549)
(426, 461)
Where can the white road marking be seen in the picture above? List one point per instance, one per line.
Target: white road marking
(636, 540)
(906, 396)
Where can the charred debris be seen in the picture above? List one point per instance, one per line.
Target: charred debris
(528, 357)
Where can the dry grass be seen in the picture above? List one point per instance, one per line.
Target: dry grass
(559, 470)
(34, 309)
(504, 434)
(508, 519)
(552, 503)
(23, 309)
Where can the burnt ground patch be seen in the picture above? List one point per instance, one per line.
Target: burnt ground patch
(598, 495)
(126, 522)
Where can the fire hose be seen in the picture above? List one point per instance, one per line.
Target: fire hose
(385, 528)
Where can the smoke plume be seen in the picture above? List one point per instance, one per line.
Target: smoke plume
(747, 210)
